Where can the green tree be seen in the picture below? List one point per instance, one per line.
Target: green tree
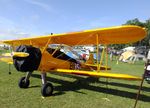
(135, 22)
(146, 25)
(144, 42)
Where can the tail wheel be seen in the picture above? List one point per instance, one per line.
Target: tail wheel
(47, 89)
(23, 83)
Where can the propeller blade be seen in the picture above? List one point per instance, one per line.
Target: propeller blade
(16, 54)
(20, 54)
(6, 55)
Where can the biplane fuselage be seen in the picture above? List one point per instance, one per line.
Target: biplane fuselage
(48, 63)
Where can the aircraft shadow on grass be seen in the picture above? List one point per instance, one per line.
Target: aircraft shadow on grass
(84, 83)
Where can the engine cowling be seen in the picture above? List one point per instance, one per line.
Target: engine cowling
(29, 63)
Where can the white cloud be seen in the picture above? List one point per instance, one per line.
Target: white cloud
(100, 22)
(41, 5)
(103, 22)
(12, 34)
(9, 30)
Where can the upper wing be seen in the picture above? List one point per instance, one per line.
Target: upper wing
(112, 35)
(98, 74)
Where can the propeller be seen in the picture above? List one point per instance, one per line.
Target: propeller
(8, 57)
(16, 54)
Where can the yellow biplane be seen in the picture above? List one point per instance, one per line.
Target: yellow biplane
(30, 54)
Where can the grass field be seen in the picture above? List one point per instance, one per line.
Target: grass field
(74, 91)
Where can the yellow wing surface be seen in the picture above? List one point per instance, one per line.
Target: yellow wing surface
(8, 60)
(98, 74)
(111, 35)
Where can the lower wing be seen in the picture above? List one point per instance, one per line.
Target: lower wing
(98, 74)
(8, 60)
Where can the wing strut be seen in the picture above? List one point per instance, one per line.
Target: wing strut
(97, 52)
(140, 87)
(104, 53)
(44, 49)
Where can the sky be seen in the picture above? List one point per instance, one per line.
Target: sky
(26, 18)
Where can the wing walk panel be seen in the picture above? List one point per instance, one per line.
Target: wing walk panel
(98, 74)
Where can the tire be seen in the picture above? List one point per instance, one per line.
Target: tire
(23, 84)
(47, 89)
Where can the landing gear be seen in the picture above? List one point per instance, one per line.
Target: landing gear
(24, 82)
(9, 71)
(47, 88)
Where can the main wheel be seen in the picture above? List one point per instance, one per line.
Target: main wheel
(23, 83)
(47, 89)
